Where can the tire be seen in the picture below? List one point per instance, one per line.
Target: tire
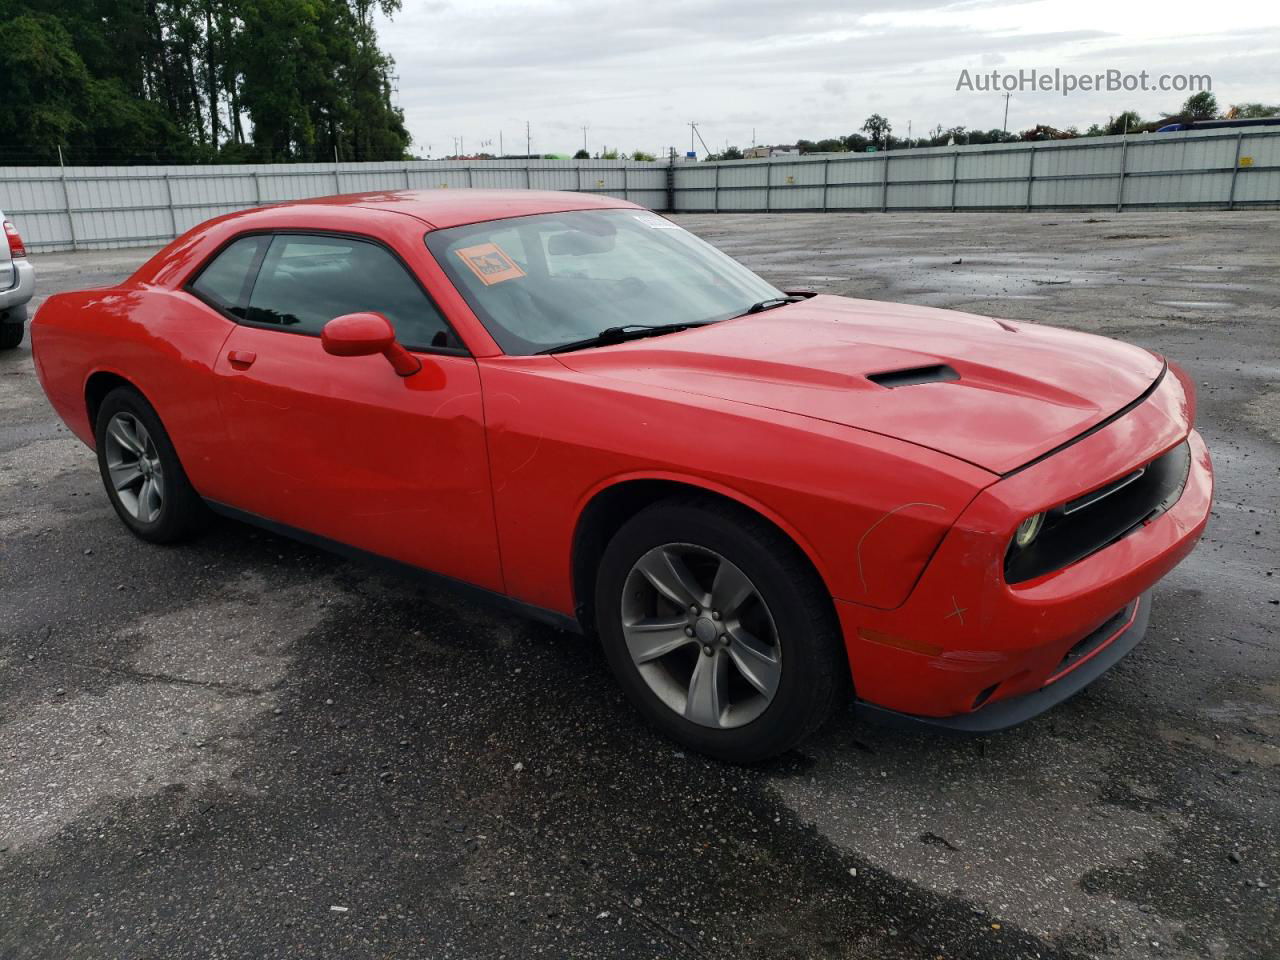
(155, 499)
(777, 659)
(11, 334)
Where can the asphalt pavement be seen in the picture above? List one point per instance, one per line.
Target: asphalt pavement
(245, 747)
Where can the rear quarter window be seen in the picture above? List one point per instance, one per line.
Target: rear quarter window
(224, 282)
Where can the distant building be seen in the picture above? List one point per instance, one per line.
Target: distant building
(760, 153)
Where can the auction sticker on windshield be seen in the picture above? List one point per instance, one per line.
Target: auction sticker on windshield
(656, 222)
(490, 263)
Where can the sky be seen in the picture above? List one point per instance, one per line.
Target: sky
(636, 72)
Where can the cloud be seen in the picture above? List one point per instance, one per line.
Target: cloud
(638, 73)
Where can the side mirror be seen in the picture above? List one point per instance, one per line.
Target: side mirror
(363, 335)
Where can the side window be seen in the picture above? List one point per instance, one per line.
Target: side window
(306, 281)
(224, 282)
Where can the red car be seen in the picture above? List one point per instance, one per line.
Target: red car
(763, 503)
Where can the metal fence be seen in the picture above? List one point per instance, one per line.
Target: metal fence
(79, 208)
(1210, 168)
(97, 207)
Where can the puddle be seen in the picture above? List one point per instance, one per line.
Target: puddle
(1197, 304)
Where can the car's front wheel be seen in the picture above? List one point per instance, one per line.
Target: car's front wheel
(140, 469)
(718, 629)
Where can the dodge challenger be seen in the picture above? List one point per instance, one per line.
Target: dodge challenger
(765, 504)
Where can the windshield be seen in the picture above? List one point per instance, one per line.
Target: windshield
(556, 278)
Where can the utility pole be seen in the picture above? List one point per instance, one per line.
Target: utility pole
(1004, 127)
(501, 151)
(693, 132)
(584, 136)
(528, 139)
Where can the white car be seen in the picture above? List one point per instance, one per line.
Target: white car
(17, 285)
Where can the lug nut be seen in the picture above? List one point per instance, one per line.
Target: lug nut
(707, 650)
(693, 608)
(724, 638)
(688, 631)
(715, 614)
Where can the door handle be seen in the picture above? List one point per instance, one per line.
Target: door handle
(242, 359)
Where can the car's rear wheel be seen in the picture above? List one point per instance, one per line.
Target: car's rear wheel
(141, 472)
(718, 629)
(12, 327)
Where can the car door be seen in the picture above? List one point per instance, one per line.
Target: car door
(344, 447)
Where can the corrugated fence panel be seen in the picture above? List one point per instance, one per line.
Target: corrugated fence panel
(98, 207)
(120, 206)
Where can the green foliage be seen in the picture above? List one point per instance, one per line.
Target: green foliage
(196, 80)
(641, 155)
(582, 155)
(877, 128)
(609, 155)
(1200, 106)
(1042, 131)
(1253, 111)
(1129, 121)
(45, 84)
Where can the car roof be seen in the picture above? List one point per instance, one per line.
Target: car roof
(443, 208)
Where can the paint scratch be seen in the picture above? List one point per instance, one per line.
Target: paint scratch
(871, 529)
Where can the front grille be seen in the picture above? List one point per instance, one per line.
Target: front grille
(1096, 638)
(1100, 517)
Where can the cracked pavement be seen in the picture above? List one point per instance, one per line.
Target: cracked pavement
(244, 747)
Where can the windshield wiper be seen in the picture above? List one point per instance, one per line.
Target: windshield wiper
(629, 331)
(771, 303)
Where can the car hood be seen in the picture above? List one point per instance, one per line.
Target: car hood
(1007, 392)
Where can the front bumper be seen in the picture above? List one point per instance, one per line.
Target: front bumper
(966, 642)
(23, 287)
(1100, 651)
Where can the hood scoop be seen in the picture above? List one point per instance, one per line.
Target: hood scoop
(912, 376)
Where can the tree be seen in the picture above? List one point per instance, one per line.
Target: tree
(1126, 122)
(1253, 111)
(641, 155)
(1042, 131)
(855, 142)
(877, 128)
(582, 155)
(1200, 106)
(46, 87)
(176, 80)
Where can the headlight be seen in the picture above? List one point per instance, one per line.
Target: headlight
(1027, 531)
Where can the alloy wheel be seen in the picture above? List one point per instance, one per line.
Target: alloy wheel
(133, 463)
(701, 635)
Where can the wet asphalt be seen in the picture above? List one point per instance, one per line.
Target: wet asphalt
(244, 747)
